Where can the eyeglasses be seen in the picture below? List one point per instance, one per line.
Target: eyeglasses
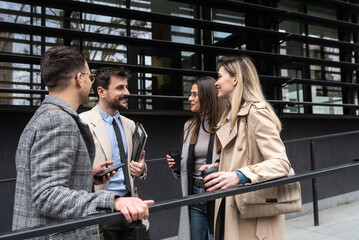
(193, 94)
(92, 76)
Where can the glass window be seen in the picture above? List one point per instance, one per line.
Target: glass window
(157, 70)
(227, 17)
(293, 92)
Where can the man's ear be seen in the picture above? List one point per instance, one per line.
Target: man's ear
(78, 80)
(101, 92)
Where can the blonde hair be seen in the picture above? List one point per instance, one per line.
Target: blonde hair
(248, 88)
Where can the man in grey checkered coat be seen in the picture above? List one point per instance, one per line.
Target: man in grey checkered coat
(55, 155)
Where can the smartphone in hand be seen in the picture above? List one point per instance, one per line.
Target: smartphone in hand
(109, 170)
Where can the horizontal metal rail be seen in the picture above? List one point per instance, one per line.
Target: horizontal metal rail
(280, 14)
(283, 81)
(189, 200)
(327, 83)
(7, 180)
(244, 30)
(26, 59)
(179, 21)
(16, 58)
(202, 24)
(31, 91)
(335, 4)
(74, 34)
(322, 136)
(288, 80)
(275, 102)
(293, 103)
(170, 204)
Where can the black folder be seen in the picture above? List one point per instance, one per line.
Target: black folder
(139, 139)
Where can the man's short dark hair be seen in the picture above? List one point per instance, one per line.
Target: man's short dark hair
(103, 77)
(60, 64)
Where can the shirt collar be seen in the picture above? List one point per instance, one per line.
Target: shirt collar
(107, 117)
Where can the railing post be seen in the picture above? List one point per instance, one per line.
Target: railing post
(139, 231)
(314, 185)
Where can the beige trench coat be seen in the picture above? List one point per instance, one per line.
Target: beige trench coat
(269, 161)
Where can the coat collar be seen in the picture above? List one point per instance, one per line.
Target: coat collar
(226, 133)
(61, 104)
(101, 132)
(242, 112)
(245, 109)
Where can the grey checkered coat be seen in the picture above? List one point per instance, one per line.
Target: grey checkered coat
(54, 172)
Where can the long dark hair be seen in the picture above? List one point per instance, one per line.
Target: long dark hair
(210, 106)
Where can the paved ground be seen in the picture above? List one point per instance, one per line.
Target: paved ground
(337, 223)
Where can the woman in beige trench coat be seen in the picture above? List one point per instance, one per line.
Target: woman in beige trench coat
(238, 82)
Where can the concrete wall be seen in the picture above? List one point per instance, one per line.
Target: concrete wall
(165, 134)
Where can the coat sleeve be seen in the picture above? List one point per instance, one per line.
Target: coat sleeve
(56, 190)
(184, 152)
(275, 163)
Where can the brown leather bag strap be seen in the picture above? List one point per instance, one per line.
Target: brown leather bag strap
(244, 119)
(49, 109)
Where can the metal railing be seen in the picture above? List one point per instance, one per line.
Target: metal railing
(203, 24)
(313, 165)
(182, 98)
(55, 32)
(169, 204)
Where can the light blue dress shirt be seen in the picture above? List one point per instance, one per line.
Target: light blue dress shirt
(117, 182)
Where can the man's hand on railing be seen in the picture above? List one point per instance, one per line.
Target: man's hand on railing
(133, 208)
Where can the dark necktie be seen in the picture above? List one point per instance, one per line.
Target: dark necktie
(122, 154)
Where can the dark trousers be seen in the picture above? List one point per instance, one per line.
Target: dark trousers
(120, 230)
